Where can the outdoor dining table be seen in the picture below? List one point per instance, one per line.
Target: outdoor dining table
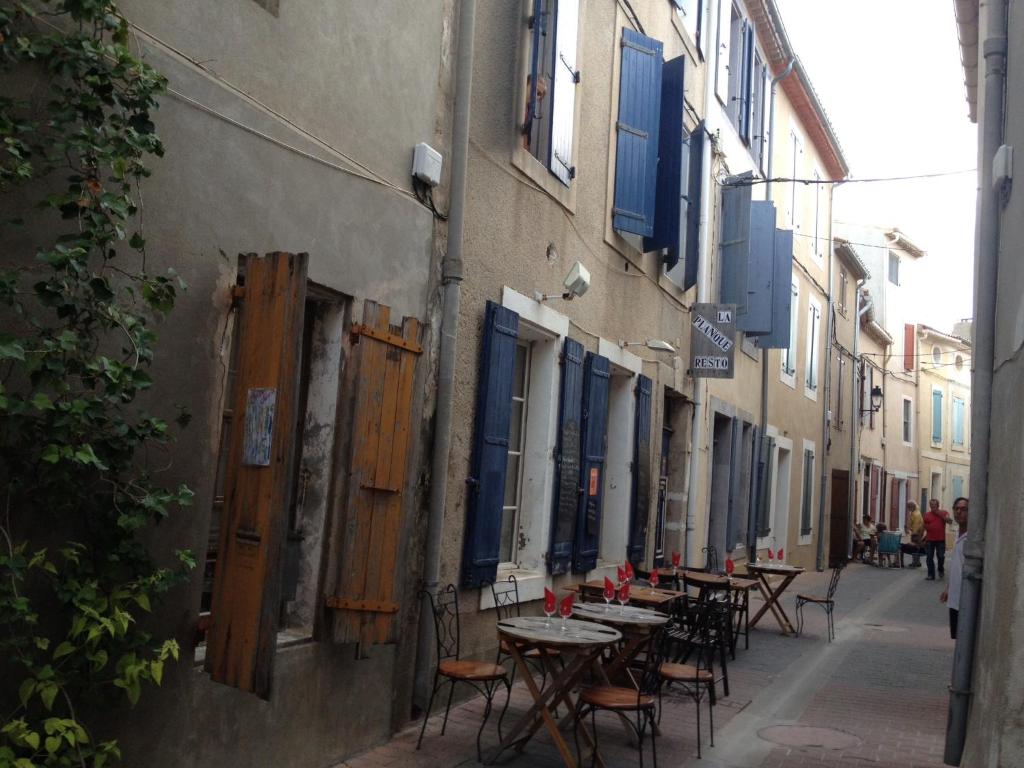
(648, 597)
(761, 572)
(738, 590)
(579, 645)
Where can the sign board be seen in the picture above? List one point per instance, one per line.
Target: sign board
(712, 341)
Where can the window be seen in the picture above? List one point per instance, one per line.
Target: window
(894, 268)
(842, 291)
(806, 503)
(739, 89)
(724, 18)
(759, 113)
(813, 340)
(936, 415)
(837, 419)
(788, 358)
(797, 146)
(516, 441)
(958, 487)
(936, 355)
(959, 362)
(908, 417)
(691, 12)
(959, 411)
(820, 208)
(551, 86)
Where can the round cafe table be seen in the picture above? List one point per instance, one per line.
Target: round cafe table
(579, 645)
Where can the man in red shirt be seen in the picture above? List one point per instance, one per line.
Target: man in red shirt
(935, 522)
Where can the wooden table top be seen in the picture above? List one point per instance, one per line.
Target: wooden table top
(647, 595)
(776, 569)
(626, 615)
(539, 630)
(722, 582)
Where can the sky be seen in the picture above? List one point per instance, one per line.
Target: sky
(889, 76)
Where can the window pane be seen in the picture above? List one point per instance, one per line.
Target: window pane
(515, 435)
(512, 480)
(508, 524)
(519, 373)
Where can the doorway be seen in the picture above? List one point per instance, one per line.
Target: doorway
(839, 519)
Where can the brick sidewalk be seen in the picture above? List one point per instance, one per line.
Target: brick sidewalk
(882, 684)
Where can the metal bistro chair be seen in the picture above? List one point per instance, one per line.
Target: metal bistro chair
(481, 675)
(709, 628)
(828, 603)
(507, 605)
(710, 559)
(641, 700)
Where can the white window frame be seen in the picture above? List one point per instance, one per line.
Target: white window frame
(722, 44)
(820, 207)
(781, 493)
(894, 258)
(808, 445)
(907, 420)
(688, 11)
(787, 359)
(796, 144)
(516, 507)
(812, 362)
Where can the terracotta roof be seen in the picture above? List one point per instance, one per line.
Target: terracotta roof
(904, 243)
(846, 251)
(967, 30)
(927, 330)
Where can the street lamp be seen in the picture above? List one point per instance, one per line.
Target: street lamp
(876, 401)
(656, 344)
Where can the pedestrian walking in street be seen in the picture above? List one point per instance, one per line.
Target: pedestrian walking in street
(951, 594)
(935, 522)
(913, 536)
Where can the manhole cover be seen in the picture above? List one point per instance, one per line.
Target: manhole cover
(884, 628)
(809, 736)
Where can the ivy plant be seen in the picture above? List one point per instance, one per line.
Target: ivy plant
(78, 497)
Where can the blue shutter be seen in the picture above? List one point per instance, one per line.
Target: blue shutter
(756, 318)
(755, 488)
(808, 497)
(936, 416)
(673, 165)
(636, 152)
(958, 487)
(765, 489)
(782, 293)
(486, 486)
(567, 460)
(696, 174)
(746, 81)
(958, 421)
(592, 448)
(733, 523)
(639, 512)
(536, 30)
(736, 240)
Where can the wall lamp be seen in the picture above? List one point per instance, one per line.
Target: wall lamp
(656, 344)
(576, 283)
(876, 401)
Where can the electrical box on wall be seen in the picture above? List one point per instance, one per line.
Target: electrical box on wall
(426, 164)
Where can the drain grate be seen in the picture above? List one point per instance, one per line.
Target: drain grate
(809, 736)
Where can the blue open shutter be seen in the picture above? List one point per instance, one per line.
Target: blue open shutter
(782, 293)
(593, 448)
(486, 485)
(764, 500)
(639, 512)
(567, 460)
(673, 165)
(736, 240)
(746, 81)
(936, 416)
(636, 148)
(752, 500)
(734, 523)
(696, 174)
(757, 317)
(958, 487)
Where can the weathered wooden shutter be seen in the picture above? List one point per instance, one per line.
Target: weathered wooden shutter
(563, 103)
(593, 446)
(567, 459)
(486, 485)
(894, 505)
(695, 174)
(936, 415)
(807, 501)
(909, 337)
(750, 533)
(746, 81)
(640, 508)
(765, 502)
(537, 24)
(735, 244)
(734, 521)
(874, 487)
(636, 148)
(672, 185)
(759, 302)
(781, 294)
(384, 367)
(247, 584)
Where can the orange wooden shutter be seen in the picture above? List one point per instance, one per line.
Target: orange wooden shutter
(365, 596)
(908, 346)
(247, 583)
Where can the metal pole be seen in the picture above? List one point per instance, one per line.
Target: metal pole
(851, 493)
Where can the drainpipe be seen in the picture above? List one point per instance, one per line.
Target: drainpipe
(826, 411)
(762, 446)
(451, 280)
(983, 357)
(855, 426)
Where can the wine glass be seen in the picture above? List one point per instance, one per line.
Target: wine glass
(550, 605)
(624, 594)
(676, 558)
(565, 610)
(609, 592)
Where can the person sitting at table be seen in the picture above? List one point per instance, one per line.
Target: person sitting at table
(867, 538)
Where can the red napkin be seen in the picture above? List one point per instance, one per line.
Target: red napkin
(565, 610)
(730, 566)
(609, 588)
(550, 602)
(630, 575)
(780, 554)
(771, 556)
(654, 577)
(624, 594)
(620, 573)
(676, 559)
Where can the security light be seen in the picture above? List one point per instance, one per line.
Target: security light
(658, 345)
(576, 284)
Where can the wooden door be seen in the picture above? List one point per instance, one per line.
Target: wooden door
(839, 518)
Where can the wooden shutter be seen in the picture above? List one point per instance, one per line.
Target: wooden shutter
(247, 584)
(936, 415)
(808, 494)
(639, 512)
(563, 102)
(567, 459)
(672, 185)
(636, 147)
(894, 505)
(908, 346)
(486, 485)
(746, 81)
(735, 243)
(781, 310)
(695, 174)
(765, 502)
(756, 317)
(384, 367)
(593, 447)
(733, 521)
(874, 489)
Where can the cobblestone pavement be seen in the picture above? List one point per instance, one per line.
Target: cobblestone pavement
(874, 697)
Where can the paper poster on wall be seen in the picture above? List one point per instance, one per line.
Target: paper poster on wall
(259, 427)
(594, 474)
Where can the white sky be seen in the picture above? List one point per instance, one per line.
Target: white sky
(888, 74)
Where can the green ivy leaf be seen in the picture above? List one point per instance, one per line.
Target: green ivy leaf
(25, 691)
(63, 649)
(52, 744)
(48, 692)
(42, 402)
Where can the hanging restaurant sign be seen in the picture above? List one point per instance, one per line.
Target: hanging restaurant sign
(712, 340)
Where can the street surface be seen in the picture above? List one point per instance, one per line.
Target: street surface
(874, 697)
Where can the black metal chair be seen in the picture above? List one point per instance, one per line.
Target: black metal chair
(641, 700)
(710, 559)
(481, 675)
(827, 603)
(709, 626)
(506, 605)
(697, 680)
